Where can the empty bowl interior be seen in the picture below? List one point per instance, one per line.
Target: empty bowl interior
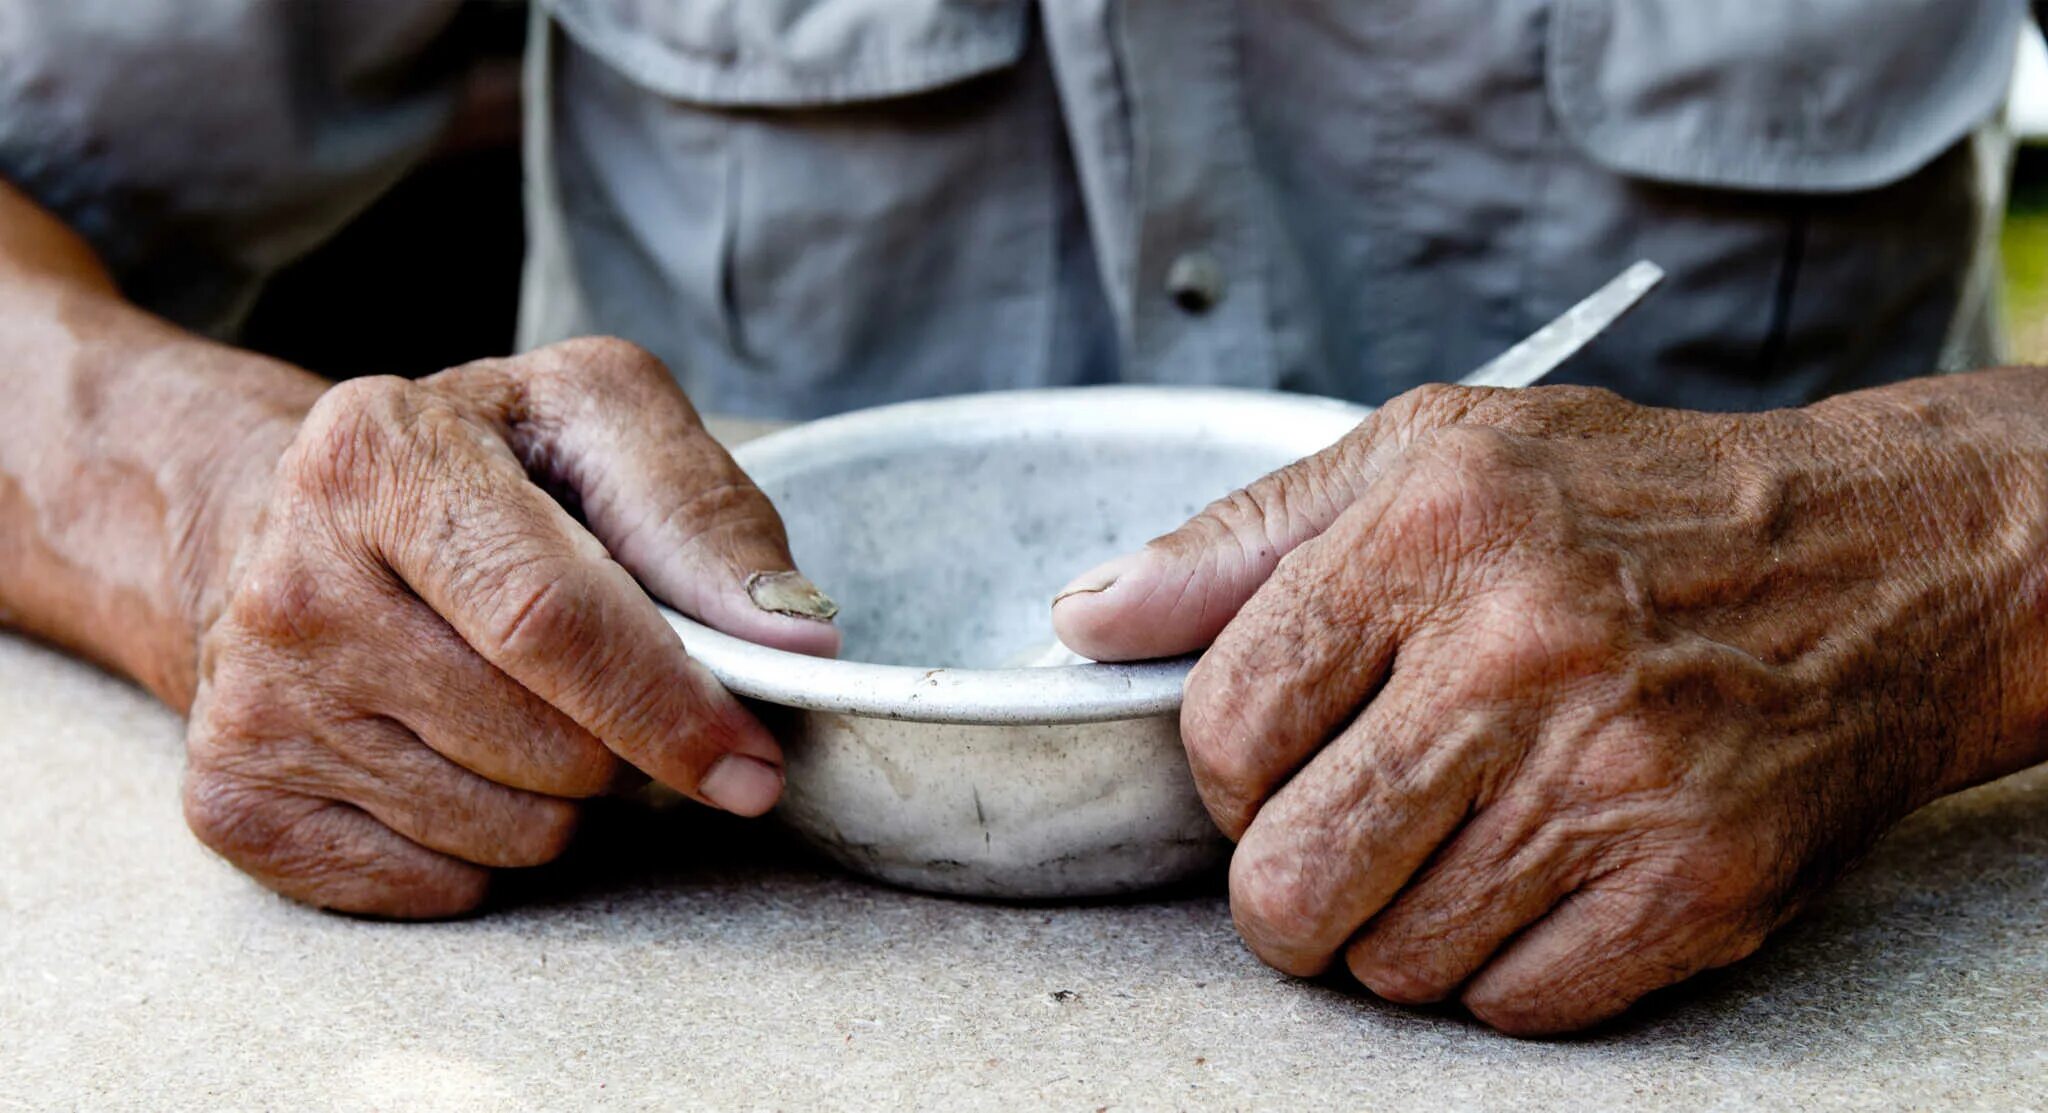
(945, 528)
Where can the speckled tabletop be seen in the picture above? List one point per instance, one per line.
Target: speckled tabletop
(677, 960)
(680, 962)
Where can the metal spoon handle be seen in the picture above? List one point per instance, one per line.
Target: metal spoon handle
(1546, 350)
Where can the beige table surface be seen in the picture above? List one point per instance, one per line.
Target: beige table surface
(673, 962)
(676, 961)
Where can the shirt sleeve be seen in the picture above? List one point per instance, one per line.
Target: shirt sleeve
(201, 144)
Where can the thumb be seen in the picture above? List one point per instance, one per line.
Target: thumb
(1178, 592)
(603, 421)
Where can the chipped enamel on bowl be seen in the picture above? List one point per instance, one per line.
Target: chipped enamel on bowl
(922, 756)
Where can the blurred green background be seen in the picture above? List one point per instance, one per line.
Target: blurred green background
(2026, 259)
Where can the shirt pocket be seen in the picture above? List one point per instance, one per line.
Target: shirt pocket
(1775, 96)
(796, 53)
(807, 174)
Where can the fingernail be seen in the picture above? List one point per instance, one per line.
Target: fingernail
(742, 785)
(791, 594)
(1099, 578)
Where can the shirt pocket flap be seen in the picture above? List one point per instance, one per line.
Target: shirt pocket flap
(796, 53)
(1815, 97)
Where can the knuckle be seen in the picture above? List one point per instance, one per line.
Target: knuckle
(1520, 650)
(1389, 970)
(1439, 507)
(1429, 404)
(1721, 875)
(282, 603)
(645, 707)
(1469, 451)
(1229, 529)
(581, 766)
(1526, 636)
(1553, 410)
(1243, 513)
(1272, 512)
(235, 817)
(350, 437)
(1637, 766)
(1278, 907)
(543, 834)
(1547, 411)
(537, 610)
(609, 360)
(1515, 1009)
(1741, 941)
(292, 844)
(717, 513)
(1212, 726)
(214, 808)
(589, 770)
(489, 825)
(1468, 492)
(241, 709)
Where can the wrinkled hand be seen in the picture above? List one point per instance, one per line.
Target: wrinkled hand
(423, 658)
(1544, 700)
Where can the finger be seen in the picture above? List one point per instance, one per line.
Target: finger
(1178, 592)
(439, 501)
(605, 420)
(431, 681)
(1174, 595)
(1503, 871)
(543, 603)
(1313, 644)
(1601, 951)
(388, 772)
(1334, 845)
(327, 854)
(1299, 660)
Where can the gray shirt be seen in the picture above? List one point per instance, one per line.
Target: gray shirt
(201, 144)
(809, 205)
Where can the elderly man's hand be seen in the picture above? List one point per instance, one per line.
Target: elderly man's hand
(422, 658)
(1545, 700)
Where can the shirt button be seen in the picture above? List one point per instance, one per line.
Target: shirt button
(1195, 282)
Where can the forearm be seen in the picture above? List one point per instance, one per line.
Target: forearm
(127, 449)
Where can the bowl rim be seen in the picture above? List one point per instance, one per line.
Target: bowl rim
(1090, 693)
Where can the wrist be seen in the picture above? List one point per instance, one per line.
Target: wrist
(133, 460)
(217, 481)
(1966, 529)
(226, 489)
